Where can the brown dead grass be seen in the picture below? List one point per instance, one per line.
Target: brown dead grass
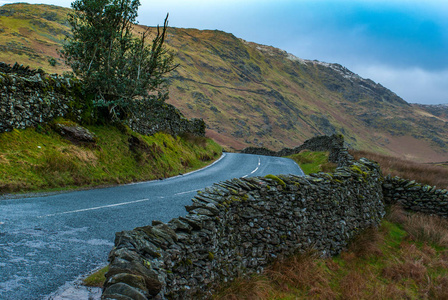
(439, 289)
(353, 285)
(367, 243)
(302, 272)
(86, 156)
(247, 289)
(410, 269)
(299, 272)
(435, 175)
(420, 227)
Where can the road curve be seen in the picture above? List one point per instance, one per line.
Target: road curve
(48, 241)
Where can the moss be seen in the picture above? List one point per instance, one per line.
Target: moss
(358, 170)
(235, 198)
(96, 279)
(278, 180)
(211, 256)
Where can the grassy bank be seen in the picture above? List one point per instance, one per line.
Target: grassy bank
(313, 162)
(40, 159)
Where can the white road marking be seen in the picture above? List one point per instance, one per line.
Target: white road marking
(107, 206)
(95, 208)
(186, 174)
(183, 193)
(256, 169)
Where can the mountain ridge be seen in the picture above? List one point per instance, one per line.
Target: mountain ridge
(256, 95)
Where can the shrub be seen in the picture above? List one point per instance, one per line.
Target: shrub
(116, 67)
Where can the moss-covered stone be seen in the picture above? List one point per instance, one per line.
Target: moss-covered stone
(276, 179)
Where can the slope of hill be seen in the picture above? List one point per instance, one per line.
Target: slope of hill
(255, 95)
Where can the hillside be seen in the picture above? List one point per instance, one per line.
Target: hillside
(255, 95)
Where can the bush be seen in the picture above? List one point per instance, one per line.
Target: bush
(116, 67)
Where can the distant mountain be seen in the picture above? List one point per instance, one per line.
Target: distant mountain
(255, 95)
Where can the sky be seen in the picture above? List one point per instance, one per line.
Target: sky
(402, 44)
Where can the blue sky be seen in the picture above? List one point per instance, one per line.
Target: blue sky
(402, 44)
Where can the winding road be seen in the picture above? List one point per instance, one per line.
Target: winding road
(48, 241)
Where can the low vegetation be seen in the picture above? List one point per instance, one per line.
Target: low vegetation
(432, 174)
(313, 162)
(406, 258)
(97, 278)
(37, 159)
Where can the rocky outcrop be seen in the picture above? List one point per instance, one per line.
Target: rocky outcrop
(333, 143)
(416, 197)
(237, 227)
(76, 134)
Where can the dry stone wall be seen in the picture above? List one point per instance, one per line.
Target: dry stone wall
(333, 143)
(28, 100)
(416, 197)
(30, 97)
(237, 227)
(155, 116)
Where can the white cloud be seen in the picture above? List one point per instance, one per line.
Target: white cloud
(414, 85)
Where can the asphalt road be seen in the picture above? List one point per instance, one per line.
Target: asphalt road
(48, 241)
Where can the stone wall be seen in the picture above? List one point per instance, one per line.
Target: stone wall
(155, 116)
(238, 227)
(30, 97)
(27, 100)
(415, 196)
(334, 144)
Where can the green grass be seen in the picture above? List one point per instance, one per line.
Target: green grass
(313, 162)
(97, 278)
(32, 160)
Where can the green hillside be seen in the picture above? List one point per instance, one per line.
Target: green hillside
(254, 95)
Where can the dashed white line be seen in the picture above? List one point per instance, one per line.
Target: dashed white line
(107, 206)
(183, 193)
(95, 208)
(256, 169)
